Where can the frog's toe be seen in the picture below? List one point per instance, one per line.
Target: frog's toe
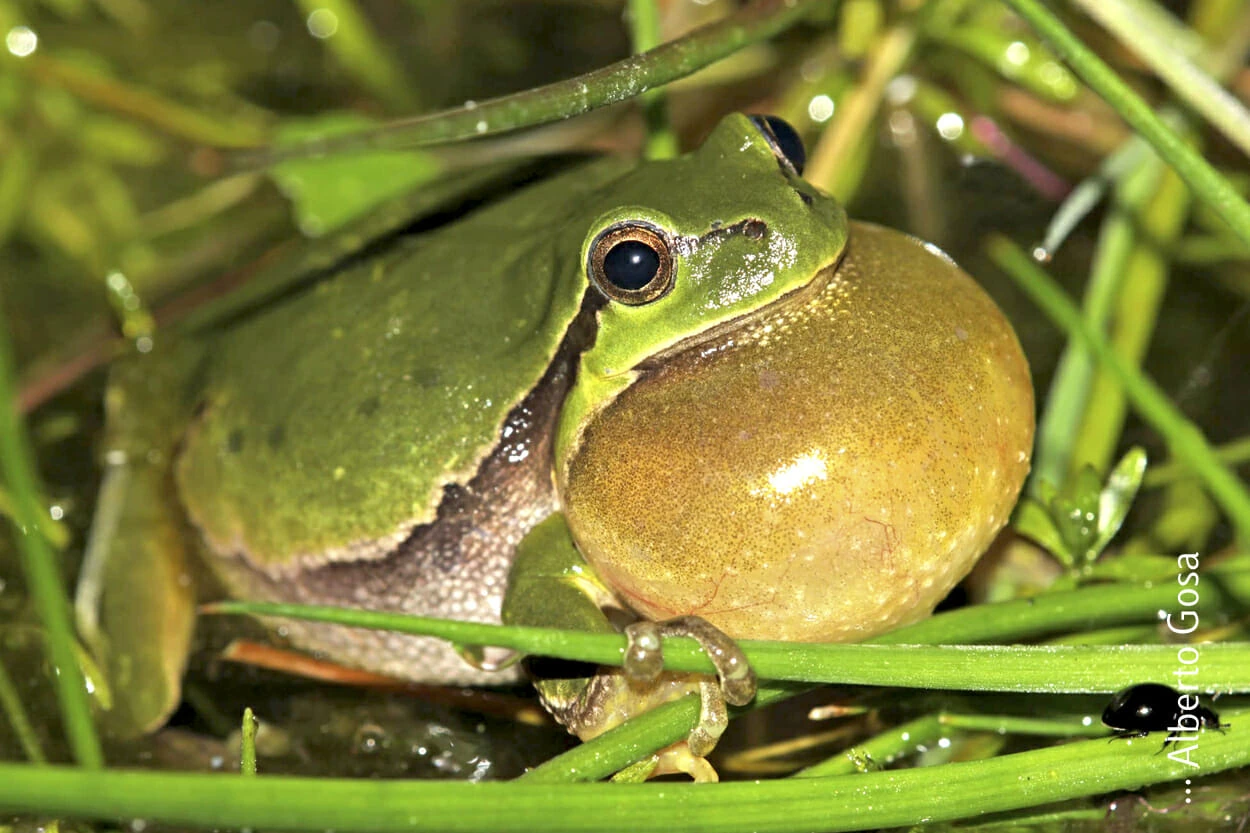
(713, 719)
(644, 651)
(737, 679)
(681, 757)
(672, 760)
(735, 684)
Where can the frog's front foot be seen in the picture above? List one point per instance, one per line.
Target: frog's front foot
(551, 585)
(613, 695)
(735, 684)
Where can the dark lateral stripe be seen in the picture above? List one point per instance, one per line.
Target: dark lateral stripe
(542, 404)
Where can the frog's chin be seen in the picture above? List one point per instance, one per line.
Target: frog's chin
(718, 336)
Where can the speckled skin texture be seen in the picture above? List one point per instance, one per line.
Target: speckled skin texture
(456, 567)
(825, 473)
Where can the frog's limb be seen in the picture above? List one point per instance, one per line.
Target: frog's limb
(644, 661)
(552, 586)
(134, 602)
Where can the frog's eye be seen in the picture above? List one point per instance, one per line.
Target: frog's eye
(632, 263)
(784, 140)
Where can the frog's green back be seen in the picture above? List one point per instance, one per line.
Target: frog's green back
(330, 424)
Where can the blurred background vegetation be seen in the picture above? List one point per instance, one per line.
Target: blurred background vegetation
(949, 119)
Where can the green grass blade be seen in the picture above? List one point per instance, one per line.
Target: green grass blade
(1207, 183)
(611, 84)
(1052, 668)
(1184, 438)
(11, 705)
(42, 577)
(1152, 45)
(1065, 404)
(643, 17)
(342, 27)
(1135, 311)
(854, 802)
(247, 743)
(1235, 453)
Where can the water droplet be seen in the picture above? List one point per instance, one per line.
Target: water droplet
(370, 739)
(322, 23)
(820, 108)
(21, 41)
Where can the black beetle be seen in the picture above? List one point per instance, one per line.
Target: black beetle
(1151, 707)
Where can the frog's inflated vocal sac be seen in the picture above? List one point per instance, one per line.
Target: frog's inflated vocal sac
(695, 374)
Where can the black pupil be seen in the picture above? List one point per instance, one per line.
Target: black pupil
(631, 265)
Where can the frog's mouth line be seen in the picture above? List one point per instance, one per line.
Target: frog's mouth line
(796, 297)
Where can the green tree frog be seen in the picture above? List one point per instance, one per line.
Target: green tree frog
(688, 389)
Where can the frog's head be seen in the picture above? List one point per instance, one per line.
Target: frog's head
(690, 247)
(794, 426)
(693, 243)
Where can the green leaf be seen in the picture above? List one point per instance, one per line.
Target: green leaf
(1117, 497)
(1135, 567)
(1075, 511)
(1033, 520)
(329, 192)
(1076, 523)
